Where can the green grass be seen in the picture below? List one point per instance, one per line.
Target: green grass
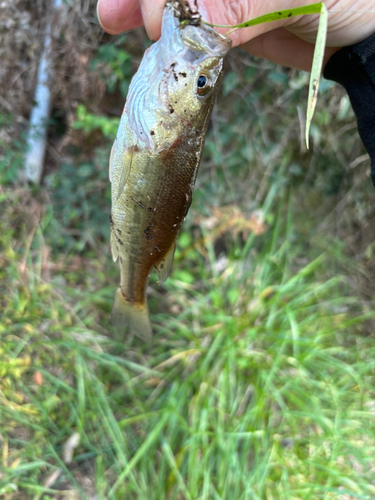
(261, 387)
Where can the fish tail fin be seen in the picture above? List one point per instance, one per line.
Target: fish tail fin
(125, 313)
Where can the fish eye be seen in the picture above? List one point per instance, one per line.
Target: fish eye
(203, 84)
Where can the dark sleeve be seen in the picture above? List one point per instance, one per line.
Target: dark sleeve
(354, 68)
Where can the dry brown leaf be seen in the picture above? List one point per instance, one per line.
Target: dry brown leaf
(38, 378)
(69, 447)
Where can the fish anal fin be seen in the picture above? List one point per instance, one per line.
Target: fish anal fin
(135, 316)
(163, 268)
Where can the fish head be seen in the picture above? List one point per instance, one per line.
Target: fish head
(177, 82)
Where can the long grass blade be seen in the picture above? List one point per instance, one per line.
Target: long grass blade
(316, 69)
(152, 437)
(314, 8)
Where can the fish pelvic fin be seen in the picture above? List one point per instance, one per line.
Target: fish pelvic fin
(126, 313)
(163, 268)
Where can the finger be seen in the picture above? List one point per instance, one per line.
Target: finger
(285, 48)
(152, 13)
(233, 13)
(116, 16)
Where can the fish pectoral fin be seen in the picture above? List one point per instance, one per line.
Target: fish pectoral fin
(125, 171)
(163, 268)
(111, 160)
(125, 313)
(114, 248)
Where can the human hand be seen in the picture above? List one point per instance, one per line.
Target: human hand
(288, 42)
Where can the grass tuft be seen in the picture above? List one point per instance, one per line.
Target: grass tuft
(265, 392)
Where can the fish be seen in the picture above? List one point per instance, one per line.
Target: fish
(156, 154)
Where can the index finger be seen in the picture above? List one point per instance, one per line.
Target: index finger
(116, 16)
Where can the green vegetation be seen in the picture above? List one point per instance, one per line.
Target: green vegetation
(260, 381)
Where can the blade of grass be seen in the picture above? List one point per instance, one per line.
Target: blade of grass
(81, 396)
(172, 462)
(316, 69)
(314, 8)
(152, 437)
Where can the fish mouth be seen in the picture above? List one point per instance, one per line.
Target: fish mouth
(184, 13)
(205, 38)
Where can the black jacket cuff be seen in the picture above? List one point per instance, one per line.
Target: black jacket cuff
(354, 68)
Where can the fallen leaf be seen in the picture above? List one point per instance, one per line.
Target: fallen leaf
(69, 447)
(38, 378)
(52, 478)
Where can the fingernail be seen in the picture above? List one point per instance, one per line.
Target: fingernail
(146, 16)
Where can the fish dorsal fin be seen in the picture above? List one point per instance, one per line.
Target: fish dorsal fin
(111, 160)
(163, 268)
(114, 248)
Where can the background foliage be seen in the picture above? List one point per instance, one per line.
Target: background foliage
(260, 382)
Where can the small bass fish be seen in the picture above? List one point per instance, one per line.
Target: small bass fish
(156, 154)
